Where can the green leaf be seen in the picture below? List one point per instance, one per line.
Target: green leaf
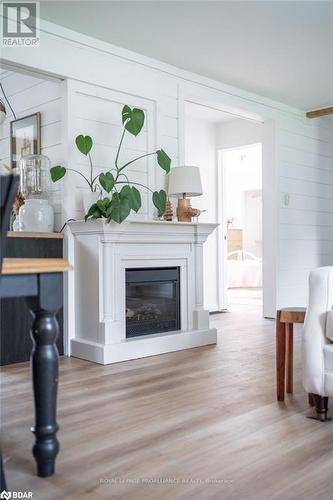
(57, 173)
(159, 200)
(103, 205)
(133, 119)
(163, 160)
(125, 191)
(107, 181)
(119, 208)
(133, 195)
(93, 212)
(135, 199)
(84, 144)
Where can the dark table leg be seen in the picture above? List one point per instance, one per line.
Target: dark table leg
(280, 357)
(44, 363)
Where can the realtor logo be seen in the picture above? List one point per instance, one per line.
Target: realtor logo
(20, 24)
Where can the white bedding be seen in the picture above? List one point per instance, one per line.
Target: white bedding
(246, 273)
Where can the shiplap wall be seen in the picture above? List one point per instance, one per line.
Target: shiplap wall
(27, 95)
(306, 222)
(298, 152)
(96, 111)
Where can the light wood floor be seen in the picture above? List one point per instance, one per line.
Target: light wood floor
(201, 424)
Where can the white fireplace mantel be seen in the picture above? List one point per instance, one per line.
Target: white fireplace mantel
(95, 305)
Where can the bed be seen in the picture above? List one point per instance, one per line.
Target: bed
(244, 270)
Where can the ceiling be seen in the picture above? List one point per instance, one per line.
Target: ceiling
(281, 50)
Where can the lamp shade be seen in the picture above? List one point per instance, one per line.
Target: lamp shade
(185, 180)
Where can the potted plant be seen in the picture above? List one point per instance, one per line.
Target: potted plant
(122, 194)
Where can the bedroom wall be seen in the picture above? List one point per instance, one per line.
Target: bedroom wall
(298, 152)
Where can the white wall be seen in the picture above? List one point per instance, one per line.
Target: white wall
(236, 133)
(298, 152)
(27, 95)
(252, 234)
(306, 223)
(96, 112)
(200, 150)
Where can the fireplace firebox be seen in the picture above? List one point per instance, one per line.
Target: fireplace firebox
(152, 300)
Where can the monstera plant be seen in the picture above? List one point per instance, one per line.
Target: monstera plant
(122, 194)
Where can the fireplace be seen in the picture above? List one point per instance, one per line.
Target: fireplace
(152, 300)
(153, 265)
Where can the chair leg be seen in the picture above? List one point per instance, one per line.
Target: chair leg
(321, 407)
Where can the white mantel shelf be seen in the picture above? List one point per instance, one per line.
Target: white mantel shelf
(144, 230)
(101, 253)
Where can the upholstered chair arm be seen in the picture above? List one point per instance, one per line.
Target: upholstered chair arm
(314, 334)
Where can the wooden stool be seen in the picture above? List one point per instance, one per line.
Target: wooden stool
(285, 319)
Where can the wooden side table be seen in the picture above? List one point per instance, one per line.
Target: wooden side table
(285, 319)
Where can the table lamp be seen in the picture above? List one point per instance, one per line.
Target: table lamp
(185, 181)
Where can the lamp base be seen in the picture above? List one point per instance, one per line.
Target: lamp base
(183, 210)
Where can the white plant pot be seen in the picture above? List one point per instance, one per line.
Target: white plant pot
(36, 216)
(89, 198)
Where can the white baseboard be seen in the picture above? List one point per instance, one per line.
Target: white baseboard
(140, 347)
(212, 308)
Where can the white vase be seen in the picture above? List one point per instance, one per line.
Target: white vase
(89, 198)
(36, 216)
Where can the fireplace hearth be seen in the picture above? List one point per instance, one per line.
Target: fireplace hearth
(152, 301)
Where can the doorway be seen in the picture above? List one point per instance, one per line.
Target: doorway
(241, 191)
(211, 129)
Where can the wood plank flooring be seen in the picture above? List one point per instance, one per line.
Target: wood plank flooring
(200, 424)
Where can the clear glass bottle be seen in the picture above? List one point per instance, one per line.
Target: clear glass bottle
(36, 215)
(33, 176)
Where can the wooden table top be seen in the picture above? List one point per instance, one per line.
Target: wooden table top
(292, 314)
(34, 266)
(25, 234)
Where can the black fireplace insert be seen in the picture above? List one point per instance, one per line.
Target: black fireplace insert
(152, 300)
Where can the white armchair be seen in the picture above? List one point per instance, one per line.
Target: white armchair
(318, 340)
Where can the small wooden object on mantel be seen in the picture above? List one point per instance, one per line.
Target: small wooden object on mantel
(168, 211)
